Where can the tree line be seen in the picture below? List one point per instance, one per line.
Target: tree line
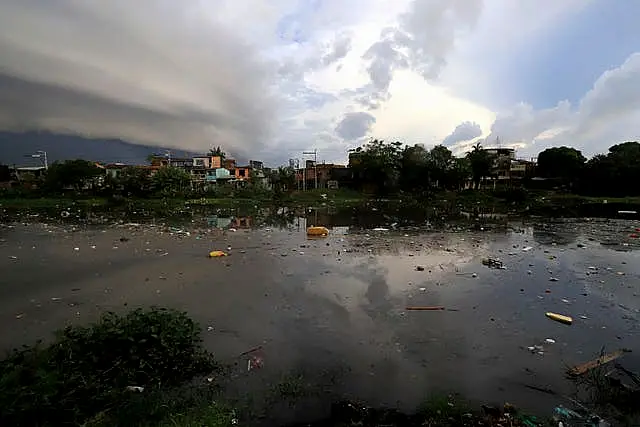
(376, 167)
(391, 167)
(387, 168)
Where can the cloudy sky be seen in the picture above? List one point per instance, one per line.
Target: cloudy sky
(272, 78)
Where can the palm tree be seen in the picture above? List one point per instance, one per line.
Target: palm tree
(217, 152)
(481, 162)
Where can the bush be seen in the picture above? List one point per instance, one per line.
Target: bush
(87, 370)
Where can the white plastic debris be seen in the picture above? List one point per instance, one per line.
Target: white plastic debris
(135, 388)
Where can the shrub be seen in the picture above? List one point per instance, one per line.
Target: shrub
(87, 370)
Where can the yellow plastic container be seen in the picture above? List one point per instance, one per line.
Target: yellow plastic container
(559, 318)
(215, 254)
(317, 231)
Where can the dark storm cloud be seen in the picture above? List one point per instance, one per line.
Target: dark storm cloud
(355, 125)
(145, 71)
(465, 131)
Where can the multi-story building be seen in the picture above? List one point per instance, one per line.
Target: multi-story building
(326, 172)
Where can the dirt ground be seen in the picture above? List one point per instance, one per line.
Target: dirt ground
(328, 317)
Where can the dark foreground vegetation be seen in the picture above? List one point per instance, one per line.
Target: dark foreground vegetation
(149, 368)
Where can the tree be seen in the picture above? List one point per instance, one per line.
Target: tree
(379, 165)
(561, 162)
(5, 173)
(616, 174)
(134, 181)
(414, 166)
(480, 163)
(76, 174)
(171, 181)
(440, 160)
(217, 152)
(283, 178)
(459, 173)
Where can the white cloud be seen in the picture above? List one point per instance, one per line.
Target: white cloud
(275, 78)
(607, 114)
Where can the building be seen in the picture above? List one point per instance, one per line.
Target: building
(326, 172)
(502, 158)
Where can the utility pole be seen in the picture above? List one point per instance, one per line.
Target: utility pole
(315, 164)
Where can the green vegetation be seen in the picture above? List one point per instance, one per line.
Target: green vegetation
(85, 375)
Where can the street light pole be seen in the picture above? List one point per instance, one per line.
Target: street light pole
(42, 155)
(315, 164)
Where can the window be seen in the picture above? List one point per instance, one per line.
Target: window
(242, 172)
(199, 162)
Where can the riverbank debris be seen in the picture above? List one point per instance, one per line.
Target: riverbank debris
(419, 268)
(559, 318)
(317, 231)
(592, 364)
(425, 308)
(493, 263)
(216, 254)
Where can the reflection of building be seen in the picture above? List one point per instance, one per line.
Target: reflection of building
(242, 222)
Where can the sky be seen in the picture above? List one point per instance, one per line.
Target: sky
(269, 79)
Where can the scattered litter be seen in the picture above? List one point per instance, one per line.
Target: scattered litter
(583, 317)
(559, 318)
(13, 257)
(550, 341)
(209, 328)
(529, 272)
(419, 268)
(566, 301)
(19, 316)
(628, 212)
(317, 231)
(232, 229)
(425, 308)
(493, 263)
(423, 289)
(527, 249)
(135, 388)
(602, 360)
(553, 279)
(536, 349)
(254, 362)
(474, 275)
(215, 254)
(76, 249)
(380, 229)
(56, 299)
